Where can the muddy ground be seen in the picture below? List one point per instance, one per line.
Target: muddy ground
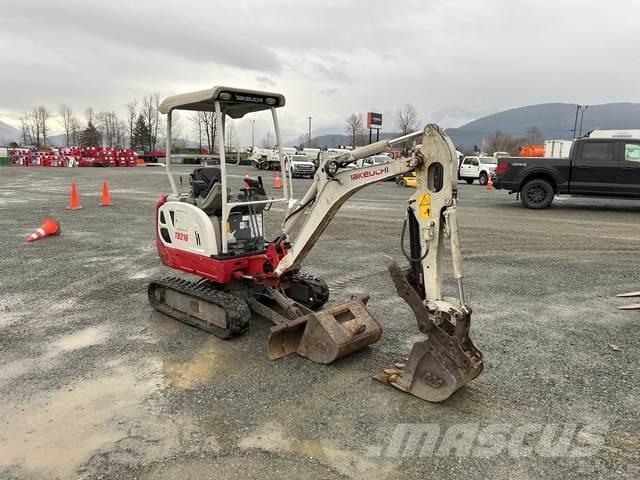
(94, 384)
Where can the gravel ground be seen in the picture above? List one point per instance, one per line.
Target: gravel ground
(94, 384)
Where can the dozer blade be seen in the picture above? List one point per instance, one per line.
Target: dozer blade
(443, 363)
(327, 335)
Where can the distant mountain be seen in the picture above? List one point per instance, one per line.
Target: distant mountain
(335, 139)
(555, 121)
(8, 133)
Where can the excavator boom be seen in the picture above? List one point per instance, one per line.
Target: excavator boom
(447, 359)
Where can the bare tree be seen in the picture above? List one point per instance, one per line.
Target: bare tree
(196, 120)
(109, 128)
(132, 114)
(89, 115)
(25, 130)
(354, 128)
(151, 115)
(231, 133)
(35, 126)
(268, 140)
(534, 136)
(503, 142)
(407, 118)
(76, 131)
(176, 131)
(302, 140)
(210, 126)
(42, 115)
(66, 121)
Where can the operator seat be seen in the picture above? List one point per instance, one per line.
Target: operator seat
(207, 189)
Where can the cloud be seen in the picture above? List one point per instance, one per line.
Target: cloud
(452, 59)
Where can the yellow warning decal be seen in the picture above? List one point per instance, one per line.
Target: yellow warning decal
(424, 205)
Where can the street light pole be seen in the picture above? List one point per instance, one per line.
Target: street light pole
(253, 137)
(575, 122)
(309, 140)
(584, 107)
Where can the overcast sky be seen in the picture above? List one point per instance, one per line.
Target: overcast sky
(454, 60)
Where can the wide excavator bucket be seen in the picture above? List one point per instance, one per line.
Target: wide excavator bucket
(443, 363)
(327, 335)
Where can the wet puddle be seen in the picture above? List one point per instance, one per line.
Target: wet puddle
(53, 434)
(84, 338)
(273, 438)
(211, 359)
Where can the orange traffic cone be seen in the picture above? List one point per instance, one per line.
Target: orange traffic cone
(48, 227)
(74, 203)
(277, 183)
(489, 183)
(246, 184)
(106, 199)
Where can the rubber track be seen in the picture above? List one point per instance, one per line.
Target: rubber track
(318, 285)
(237, 310)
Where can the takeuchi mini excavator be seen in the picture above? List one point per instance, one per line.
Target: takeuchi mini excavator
(217, 235)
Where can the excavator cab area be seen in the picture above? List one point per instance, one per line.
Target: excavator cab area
(234, 209)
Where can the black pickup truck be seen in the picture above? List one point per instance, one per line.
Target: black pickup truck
(601, 167)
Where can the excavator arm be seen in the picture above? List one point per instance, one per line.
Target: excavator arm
(447, 359)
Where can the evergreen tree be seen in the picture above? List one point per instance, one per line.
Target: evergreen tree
(90, 137)
(141, 137)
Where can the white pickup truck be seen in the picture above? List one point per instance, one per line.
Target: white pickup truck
(269, 159)
(300, 165)
(477, 168)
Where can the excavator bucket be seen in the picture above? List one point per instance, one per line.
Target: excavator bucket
(443, 363)
(327, 335)
(432, 374)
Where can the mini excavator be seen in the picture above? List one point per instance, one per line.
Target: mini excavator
(217, 235)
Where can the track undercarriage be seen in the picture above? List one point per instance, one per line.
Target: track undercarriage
(298, 325)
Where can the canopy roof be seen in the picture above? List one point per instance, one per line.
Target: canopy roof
(235, 102)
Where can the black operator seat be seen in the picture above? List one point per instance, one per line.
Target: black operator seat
(207, 189)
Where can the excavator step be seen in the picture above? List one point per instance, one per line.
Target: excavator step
(200, 305)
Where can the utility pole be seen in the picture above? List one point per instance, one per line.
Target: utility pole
(575, 122)
(584, 107)
(309, 141)
(253, 137)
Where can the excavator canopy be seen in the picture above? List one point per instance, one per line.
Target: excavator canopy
(235, 102)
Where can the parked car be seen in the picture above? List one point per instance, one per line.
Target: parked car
(600, 167)
(300, 165)
(407, 180)
(477, 168)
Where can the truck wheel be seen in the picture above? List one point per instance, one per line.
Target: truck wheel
(537, 194)
(402, 182)
(469, 181)
(483, 178)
